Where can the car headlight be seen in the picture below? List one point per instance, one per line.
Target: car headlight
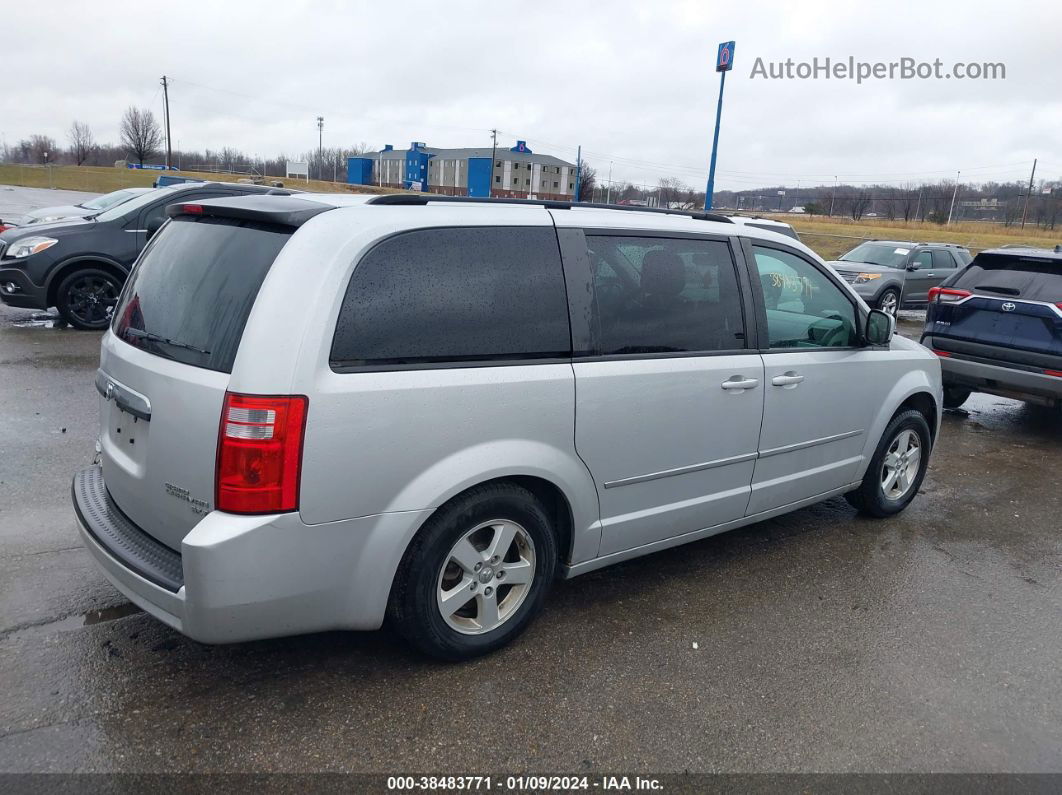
(28, 246)
(44, 219)
(863, 278)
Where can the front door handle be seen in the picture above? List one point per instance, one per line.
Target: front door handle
(787, 379)
(737, 382)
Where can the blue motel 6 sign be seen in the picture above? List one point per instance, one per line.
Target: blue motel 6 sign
(724, 61)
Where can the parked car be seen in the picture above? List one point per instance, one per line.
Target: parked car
(891, 274)
(768, 224)
(320, 412)
(78, 265)
(997, 326)
(85, 209)
(165, 180)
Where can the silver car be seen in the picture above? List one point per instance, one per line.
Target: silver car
(87, 208)
(324, 412)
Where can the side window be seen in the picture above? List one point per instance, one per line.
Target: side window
(942, 259)
(924, 259)
(804, 308)
(665, 295)
(455, 295)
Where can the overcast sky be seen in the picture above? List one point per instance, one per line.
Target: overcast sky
(633, 82)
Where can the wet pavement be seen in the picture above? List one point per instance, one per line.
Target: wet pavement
(824, 641)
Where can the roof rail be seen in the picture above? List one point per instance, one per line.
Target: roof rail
(549, 204)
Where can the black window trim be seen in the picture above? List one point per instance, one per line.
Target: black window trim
(740, 273)
(747, 244)
(336, 366)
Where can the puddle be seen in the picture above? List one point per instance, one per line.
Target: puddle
(40, 320)
(76, 621)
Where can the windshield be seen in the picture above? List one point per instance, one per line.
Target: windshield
(110, 199)
(189, 296)
(134, 204)
(887, 255)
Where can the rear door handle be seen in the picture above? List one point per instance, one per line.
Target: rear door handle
(787, 379)
(737, 382)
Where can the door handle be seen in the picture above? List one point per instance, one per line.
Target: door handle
(787, 379)
(737, 382)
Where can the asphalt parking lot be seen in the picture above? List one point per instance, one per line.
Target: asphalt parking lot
(824, 642)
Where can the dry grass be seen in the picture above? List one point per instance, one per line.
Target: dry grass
(93, 179)
(831, 237)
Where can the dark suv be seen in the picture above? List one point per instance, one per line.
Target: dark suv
(997, 326)
(79, 265)
(889, 274)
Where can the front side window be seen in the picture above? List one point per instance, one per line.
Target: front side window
(923, 259)
(455, 295)
(804, 308)
(665, 295)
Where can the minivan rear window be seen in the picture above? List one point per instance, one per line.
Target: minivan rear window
(1017, 277)
(189, 296)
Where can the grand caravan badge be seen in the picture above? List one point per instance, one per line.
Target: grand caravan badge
(199, 507)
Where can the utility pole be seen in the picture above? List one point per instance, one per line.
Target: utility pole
(578, 171)
(918, 206)
(833, 196)
(320, 146)
(954, 193)
(493, 154)
(166, 104)
(608, 197)
(1025, 210)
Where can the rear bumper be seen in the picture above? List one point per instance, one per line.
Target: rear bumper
(249, 577)
(1003, 381)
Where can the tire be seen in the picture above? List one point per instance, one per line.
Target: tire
(889, 301)
(84, 297)
(871, 498)
(430, 572)
(955, 396)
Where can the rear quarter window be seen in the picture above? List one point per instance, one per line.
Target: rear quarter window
(467, 294)
(189, 297)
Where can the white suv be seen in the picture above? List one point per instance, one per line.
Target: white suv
(321, 412)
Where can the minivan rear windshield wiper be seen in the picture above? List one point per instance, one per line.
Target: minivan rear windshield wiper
(148, 335)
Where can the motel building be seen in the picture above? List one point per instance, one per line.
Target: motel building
(516, 173)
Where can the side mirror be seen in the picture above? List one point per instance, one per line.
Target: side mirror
(154, 224)
(880, 327)
(912, 266)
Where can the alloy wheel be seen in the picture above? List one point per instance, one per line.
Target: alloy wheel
(890, 303)
(900, 468)
(91, 299)
(486, 577)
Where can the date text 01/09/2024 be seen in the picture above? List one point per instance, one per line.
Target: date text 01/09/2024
(521, 783)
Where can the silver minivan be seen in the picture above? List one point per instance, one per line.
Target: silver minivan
(325, 412)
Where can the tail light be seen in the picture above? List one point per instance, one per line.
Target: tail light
(946, 295)
(259, 453)
(941, 354)
(1055, 373)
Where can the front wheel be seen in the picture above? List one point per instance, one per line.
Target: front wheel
(889, 302)
(477, 573)
(86, 298)
(896, 471)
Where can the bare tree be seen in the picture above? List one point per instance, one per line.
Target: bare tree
(37, 149)
(81, 142)
(587, 182)
(860, 204)
(141, 133)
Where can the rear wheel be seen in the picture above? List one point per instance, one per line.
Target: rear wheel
(896, 471)
(955, 396)
(889, 302)
(477, 573)
(86, 298)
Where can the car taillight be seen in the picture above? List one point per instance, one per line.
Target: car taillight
(945, 295)
(192, 209)
(1055, 373)
(943, 354)
(259, 453)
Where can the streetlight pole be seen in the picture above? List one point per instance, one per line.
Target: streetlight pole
(320, 146)
(1025, 210)
(954, 193)
(608, 194)
(833, 196)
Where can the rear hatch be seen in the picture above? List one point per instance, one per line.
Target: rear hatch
(1000, 305)
(166, 364)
